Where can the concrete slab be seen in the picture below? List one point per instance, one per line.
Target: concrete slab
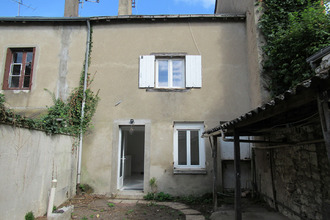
(249, 214)
(195, 217)
(65, 214)
(175, 205)
(129, 195)
(190, 212)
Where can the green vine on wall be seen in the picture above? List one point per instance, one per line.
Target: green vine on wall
(62, 117)
(294, 30)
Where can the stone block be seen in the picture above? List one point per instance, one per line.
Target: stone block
(195, 217)
(64, 214)
(190, 212)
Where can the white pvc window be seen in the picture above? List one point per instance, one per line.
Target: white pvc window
(174, 72)
(170, 73)
(189, 150)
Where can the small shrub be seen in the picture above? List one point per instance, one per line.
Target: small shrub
(153, 184)
(158, 196)
(29, 216)
(2, 100)
(151, 204)
(149, 196)
(111, 204)
(192, 199)
(129, 211)
(163, 197)
(85, 188)
(82, 187)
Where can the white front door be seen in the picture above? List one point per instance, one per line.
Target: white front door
(121, 158)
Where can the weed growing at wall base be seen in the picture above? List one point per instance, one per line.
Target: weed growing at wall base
(29, 216)
(161, 197)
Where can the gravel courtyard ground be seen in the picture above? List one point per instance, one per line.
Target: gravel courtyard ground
(100, 207)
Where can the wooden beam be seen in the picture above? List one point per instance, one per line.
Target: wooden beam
(272, 176)
(215, 173)
(237, 165)
(324, 111)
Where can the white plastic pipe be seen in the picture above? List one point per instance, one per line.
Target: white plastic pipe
(83, 102)
(51, 198)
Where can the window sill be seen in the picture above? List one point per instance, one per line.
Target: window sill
(187, 171)
(167, 90)
(15, 91)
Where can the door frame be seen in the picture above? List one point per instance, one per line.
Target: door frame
(121, 158)
(116, 142)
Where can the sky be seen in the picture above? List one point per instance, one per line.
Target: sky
(55, 8)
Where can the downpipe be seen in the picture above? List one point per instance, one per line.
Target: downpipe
(84, 101)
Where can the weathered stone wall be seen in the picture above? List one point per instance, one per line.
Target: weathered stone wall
(300, 174)
(29, 160)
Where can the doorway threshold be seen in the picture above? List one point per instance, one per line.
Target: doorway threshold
(130, 194)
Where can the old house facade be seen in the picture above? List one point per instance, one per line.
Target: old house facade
(156, 77)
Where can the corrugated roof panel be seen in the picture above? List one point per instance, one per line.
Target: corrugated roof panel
(317, 82)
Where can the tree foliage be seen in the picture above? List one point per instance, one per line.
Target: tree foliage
(294, 30)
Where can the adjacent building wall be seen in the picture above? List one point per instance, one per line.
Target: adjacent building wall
(29, 160)
(59, 59)
(300, 174)
(255, 42)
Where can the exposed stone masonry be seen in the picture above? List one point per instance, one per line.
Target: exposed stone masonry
(300, 172)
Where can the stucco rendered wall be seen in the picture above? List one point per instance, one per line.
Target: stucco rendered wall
(59, 59)
(29, 160)
(255, 41)
(300, 174)
(225, 94)
(60, 49)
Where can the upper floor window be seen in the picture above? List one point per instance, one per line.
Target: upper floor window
(19, 68)
(170, 71)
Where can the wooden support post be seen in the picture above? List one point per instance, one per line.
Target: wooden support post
(215, 173)
(272, 175)
(324, 112)
(237, 165)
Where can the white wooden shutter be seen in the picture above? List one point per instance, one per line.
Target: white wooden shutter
(147, 71)
(193, 71)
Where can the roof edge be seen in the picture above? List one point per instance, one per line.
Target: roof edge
(126, 17)
(318, 55)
